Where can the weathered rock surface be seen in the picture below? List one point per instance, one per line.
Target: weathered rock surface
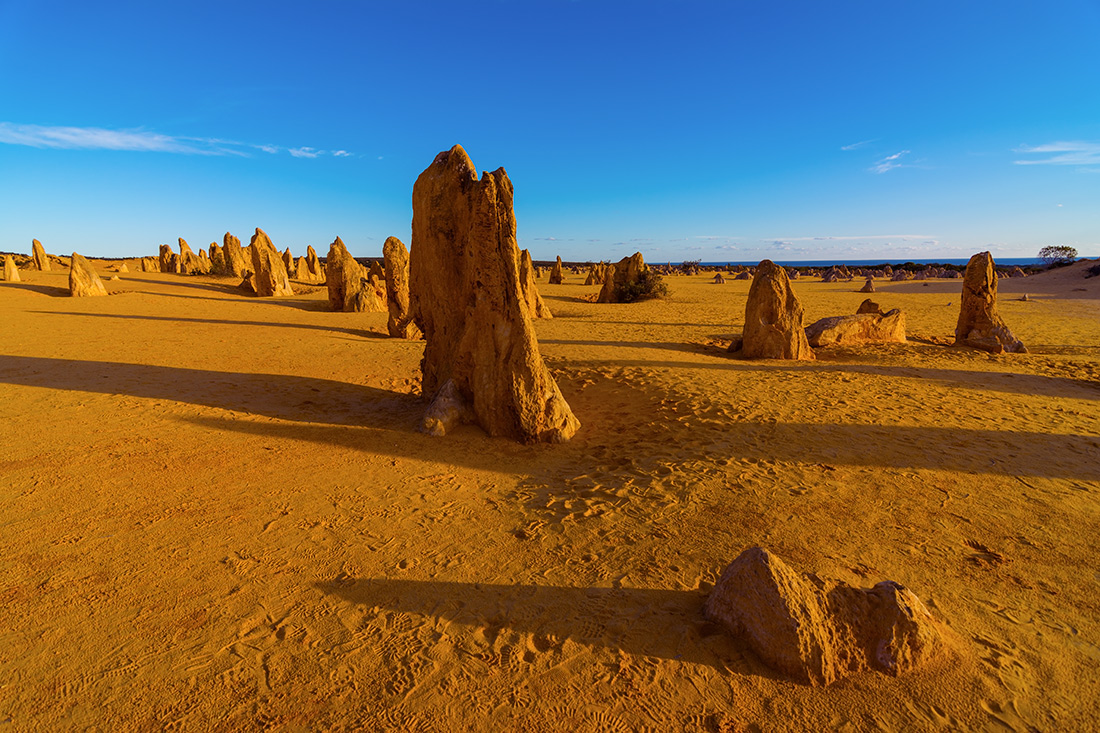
(169, 262)
(623, 273)
(979, 324)
(11, 272)
(38, 254)
(820, 632)
(773, 317)
(236, 264)
(150, 264)
(400, 323)
(862, 328)
(536, 308)
(869, 286)
(315, 270)
(288, 261)
(555, 273)
(718, 279)
(269, 276)
(123, 268)
(481, 361)
(190, 263)
(217, 260)
(83, 280)
(348, 288)
(869, 306)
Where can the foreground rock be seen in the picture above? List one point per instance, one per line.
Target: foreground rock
(269, 277)
(620, 277)
(481, 361)
(555, 273)
(38, 254)
(83, 280)
(773, 317)
(536, 308)
(11, 272)
(348, 288)
(979, 325)
(396, 257)
(315, 271)
(862, 328)
(821, 632)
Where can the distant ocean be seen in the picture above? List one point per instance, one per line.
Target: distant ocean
(1001, 261)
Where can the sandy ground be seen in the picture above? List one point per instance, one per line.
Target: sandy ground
(216, 514)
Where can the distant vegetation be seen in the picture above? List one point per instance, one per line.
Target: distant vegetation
(690, 267)
(649, 285)
(1056, 255)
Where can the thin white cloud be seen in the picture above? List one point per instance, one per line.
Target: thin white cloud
(1076, 152)
(136, 140)
(860, 144)
(890, 162)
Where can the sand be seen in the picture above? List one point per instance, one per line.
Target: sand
(216, 514)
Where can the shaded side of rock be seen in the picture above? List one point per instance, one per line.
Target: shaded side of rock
(83, 280)
(348, 288)
(979, 325)
(773, 317)
(481, 360)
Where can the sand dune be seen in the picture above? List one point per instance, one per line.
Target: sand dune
(217, 513)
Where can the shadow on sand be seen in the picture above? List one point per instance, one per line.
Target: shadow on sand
(265, 324)
(620, 416)
(618, 619)
(50, 290)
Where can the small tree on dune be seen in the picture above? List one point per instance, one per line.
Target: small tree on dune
(1056, 255)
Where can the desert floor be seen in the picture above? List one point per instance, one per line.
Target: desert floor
(216, 513)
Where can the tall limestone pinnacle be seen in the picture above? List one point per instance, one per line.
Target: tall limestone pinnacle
(481, 361)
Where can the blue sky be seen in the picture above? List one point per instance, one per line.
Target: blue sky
(686, 130)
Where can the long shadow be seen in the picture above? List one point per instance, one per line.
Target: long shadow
(1008, 382)
(51, 290)
(301, 399)
(660, 624)
(693, 348)
(337, 412)
(349, 331)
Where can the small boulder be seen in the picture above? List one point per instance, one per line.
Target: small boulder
(869, 306)
(979, 324)
(718, 279)
(11, 272)
(83, 280)
(862, 328)
(269, 278)
(819, 632)
(773, 317)
(869, 286)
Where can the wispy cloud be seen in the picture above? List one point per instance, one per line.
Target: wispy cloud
(138, 140)
(857, 237)
(1077, 152)
(860, 144)
(890, 162)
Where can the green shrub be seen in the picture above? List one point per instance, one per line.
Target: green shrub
(649, 285)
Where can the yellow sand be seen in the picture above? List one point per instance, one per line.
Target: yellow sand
(215, 512)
